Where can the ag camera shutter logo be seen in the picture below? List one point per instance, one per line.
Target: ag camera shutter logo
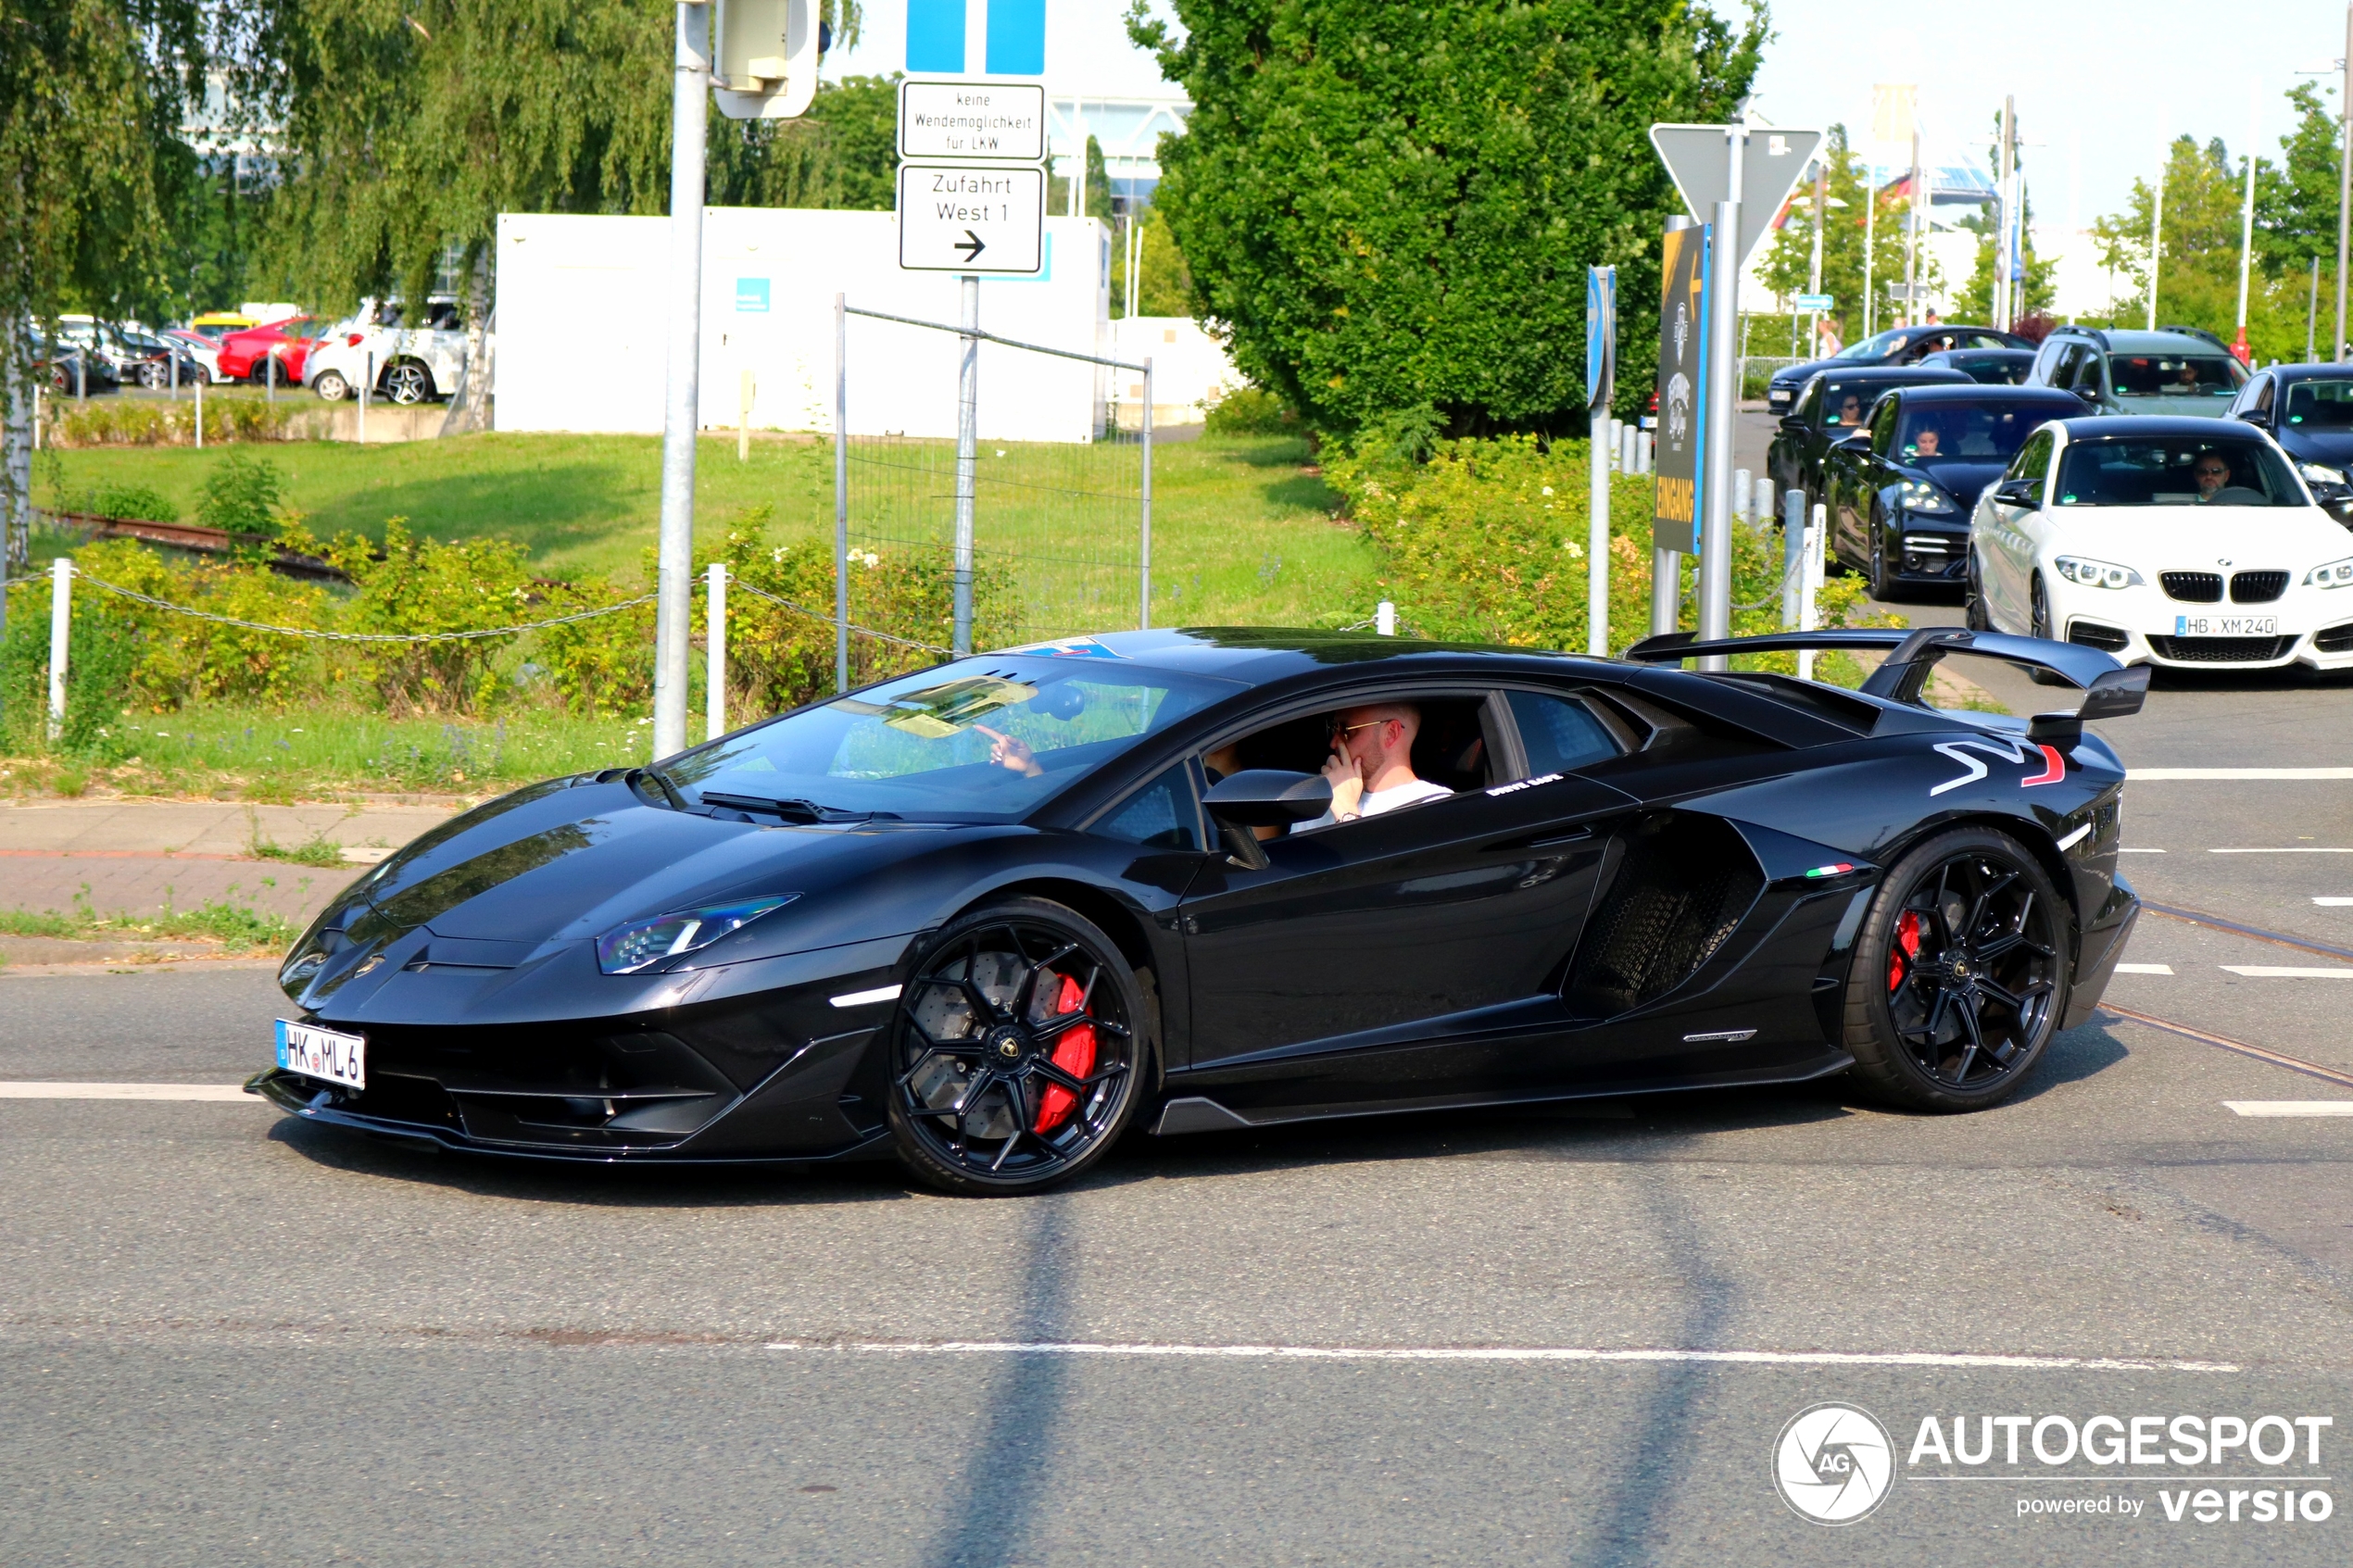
(1833, 1464)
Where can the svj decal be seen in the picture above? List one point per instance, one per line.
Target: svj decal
(2054, 765)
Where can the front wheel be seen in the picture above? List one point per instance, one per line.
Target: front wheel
(1960, 974)
(2038, 625)
(1973, 611)
(1020, 1051)
(1883, 586)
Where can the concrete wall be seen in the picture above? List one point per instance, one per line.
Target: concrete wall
(1191, 370)
(583, 318)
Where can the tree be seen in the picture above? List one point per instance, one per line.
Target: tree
(1389, 208)
(1848, 234)
(2197, 279)
(843, 153)
(2296, 201)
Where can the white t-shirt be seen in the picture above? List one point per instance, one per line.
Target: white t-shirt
(1375, 801)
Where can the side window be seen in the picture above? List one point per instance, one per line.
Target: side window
(2262, 403)
(1809, 402)
(2033, 462)
(2088, 371)
(1162, 815)
(1559, 733)
(1884, 425)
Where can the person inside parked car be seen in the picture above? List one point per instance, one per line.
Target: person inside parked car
(1371, 767)
(1850, 411)
(2186, 379)
(1927, 440)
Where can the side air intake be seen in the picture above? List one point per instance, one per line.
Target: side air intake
(1683, 886)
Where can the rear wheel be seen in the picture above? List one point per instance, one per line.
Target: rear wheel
(1973, 612)
(2039, 625)
(1959, 976)
(1883, 586)
(331, 386)
(1021, 1050)
(407, 383)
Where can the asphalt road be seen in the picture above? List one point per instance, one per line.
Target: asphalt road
(1542, 1338)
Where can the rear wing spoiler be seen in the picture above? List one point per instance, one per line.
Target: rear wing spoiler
(2111, 690)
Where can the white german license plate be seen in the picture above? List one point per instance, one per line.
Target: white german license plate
(2226, 625)
(322, 1053)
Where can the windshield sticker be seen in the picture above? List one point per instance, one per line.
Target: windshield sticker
(1519, 785)
(1070, 647)
(937, 712)
(2054, 765)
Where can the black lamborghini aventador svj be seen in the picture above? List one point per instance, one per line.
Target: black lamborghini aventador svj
(988, 916)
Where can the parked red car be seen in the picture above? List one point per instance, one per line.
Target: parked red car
(243, 353)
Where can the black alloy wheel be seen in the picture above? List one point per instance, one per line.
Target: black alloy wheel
(1019, 1051)
(1960, 974)
(1973, 611)
(1882, 581)
(2038, 625)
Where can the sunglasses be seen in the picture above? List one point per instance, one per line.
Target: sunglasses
(1342, 732)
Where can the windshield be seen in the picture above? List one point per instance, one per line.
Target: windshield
(1967, 433)
(1847, 404)
(982, 740)
(2321, 405)
(1994, 370)
(1878, 347)
(2176, 472)
(2175, 375)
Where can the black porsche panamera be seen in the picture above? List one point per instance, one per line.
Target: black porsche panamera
(990, 916)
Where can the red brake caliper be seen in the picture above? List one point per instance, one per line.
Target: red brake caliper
(1900, 953)
(1075, 1054)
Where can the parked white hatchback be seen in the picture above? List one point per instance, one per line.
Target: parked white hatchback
(2176, 542)
(409, 364)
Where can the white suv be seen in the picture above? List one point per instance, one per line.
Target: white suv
(410, 364)
(2170, 541)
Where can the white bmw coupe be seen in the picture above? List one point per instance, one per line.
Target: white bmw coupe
(2176, 542)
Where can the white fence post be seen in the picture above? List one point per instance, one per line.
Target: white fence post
(200, 381)
(1744, 497)
(1808, 614)
(1385, 619)
(714, 700)
(61, 638)
(1644, 444)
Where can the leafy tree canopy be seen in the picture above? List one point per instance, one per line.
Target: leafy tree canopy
(1391, 206)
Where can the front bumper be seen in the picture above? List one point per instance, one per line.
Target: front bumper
(2144, 626)
(1928, 553)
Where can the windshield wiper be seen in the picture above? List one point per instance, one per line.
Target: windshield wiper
(677, 802)
(791, 810)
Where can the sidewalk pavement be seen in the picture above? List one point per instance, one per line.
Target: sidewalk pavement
(139, 856)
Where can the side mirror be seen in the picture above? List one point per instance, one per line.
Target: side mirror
(1860, 440)
(1794, 423)
(1269, 797)
(2254, 417)
(2015, 492)
(2088, 394)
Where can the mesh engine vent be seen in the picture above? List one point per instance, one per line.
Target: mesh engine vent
(1683, 887)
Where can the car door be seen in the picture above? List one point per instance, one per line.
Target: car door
(1784, 459)
(2008, 567)
(1858, 469)
(1367, 947)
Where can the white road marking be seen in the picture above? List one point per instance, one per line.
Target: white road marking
(2290, 849)
(2138, 775)
(859, 998)
(1483, 1353)
(2273, 972)
(45, 1089)
(2128, 849)
(2333, 903)
(2291, 1107)
(2144, 969)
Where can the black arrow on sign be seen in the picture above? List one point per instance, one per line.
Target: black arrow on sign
(970, 244)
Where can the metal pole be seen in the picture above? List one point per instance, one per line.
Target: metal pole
(1144, 617)
(841, 494)
(1715, 584)
(1793, 556)
(269, 379)
(2312, 312)
(1807, 615)
(60, 639)
(1597, 536)
(743, 414)
(689, 106)
(2246, 226)
(1814, 267)
(1870, 228)
(1912, 241)
(367, 386)
(172, 359)
(2004, 308)
(967, 444)
(2156, 231)
(2343, 181)
(1667, 590)
(714, 694)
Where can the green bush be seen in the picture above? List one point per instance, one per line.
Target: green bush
(242, 494)
(121, 421)
(427, 585)
(1486, 541)
(1249, 411)
(140, 503)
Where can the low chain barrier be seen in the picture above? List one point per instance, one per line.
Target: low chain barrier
(740, 586)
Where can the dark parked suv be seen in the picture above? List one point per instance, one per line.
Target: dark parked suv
(2171, 370)
(2308, 410)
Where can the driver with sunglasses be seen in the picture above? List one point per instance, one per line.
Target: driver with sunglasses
(1371, 767)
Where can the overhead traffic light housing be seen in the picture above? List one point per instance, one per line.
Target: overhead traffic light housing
(763, 63)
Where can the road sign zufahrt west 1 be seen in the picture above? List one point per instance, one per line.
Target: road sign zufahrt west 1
(956, 121)
(975, 219)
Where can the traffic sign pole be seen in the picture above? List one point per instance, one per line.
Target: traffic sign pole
(674, 553)
(1601, 380)
(1715, 584)
(967, 457)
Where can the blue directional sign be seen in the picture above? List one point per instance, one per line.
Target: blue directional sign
(1013, 37)
(1601, 334)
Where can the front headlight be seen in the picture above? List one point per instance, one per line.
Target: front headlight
(628, 948)
(1922, 497)
(2320, 473)
(2097, 573)
(2335, 574)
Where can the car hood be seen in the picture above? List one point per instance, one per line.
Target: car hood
(1794, 375)
(2195, 538)
(2196, 406)
(1963, 481)
(572, 859)
(2333, 447)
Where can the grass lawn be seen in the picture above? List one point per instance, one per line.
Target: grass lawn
(1242, 527)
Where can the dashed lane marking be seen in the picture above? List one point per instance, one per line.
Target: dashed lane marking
(2138, 775)
(2144, 969)
(1478, 1353)
(2332, 903)
(44, 1089)
(2286, 849)
(2282, 971)
(2129, 849)
(2291, 1107)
